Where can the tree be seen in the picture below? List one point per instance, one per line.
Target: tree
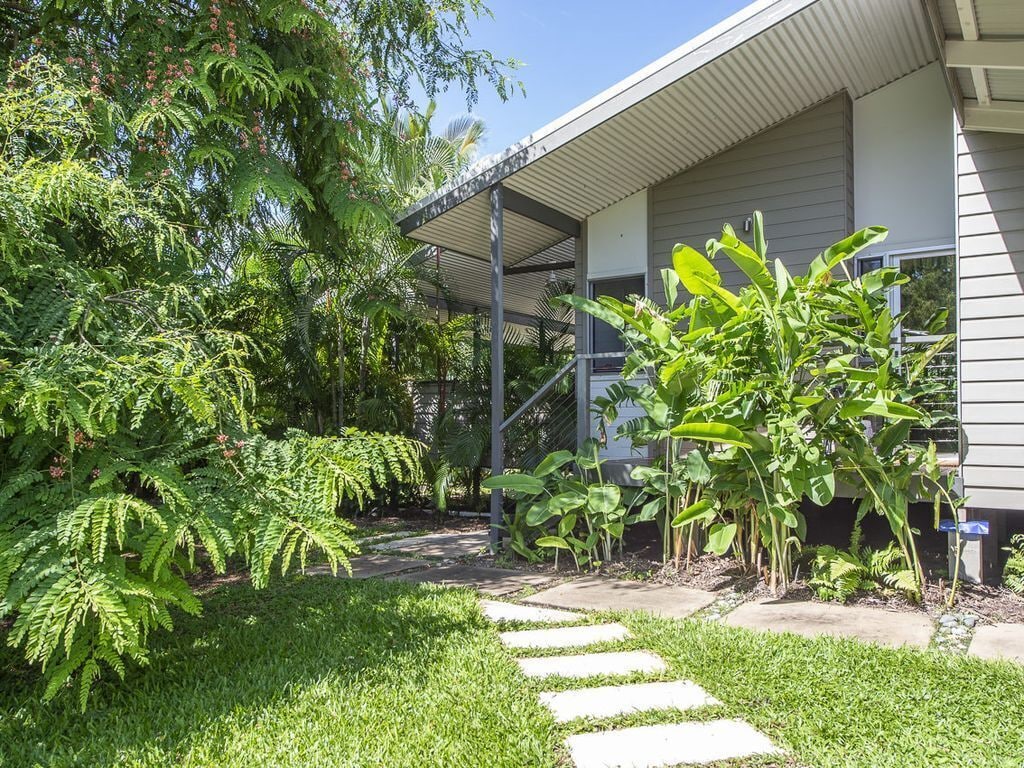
(140, 143)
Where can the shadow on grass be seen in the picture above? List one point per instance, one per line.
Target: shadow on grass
(247, 656)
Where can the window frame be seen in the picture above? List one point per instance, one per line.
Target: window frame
(611, 364)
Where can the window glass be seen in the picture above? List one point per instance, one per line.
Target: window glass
(604, 338)
(931, 288)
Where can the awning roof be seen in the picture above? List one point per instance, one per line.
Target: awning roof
(468, 281)
(765, 64)
(984, 50)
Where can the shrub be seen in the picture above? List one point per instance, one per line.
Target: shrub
(128, 448)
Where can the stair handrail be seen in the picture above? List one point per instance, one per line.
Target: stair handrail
(546, 387)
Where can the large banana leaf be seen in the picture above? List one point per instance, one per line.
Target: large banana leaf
(712, 432)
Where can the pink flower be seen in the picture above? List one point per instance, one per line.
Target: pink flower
(56, 472)
(96, 473)
(229, 453)
(221, 438)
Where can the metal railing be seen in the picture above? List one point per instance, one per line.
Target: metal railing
(549, 419)
(941, 402)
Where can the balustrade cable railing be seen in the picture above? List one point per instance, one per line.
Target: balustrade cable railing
(941, 402)
(548, 420)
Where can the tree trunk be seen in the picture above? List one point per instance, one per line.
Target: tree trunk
(340, 420)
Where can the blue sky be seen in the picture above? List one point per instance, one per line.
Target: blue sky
(572, 50)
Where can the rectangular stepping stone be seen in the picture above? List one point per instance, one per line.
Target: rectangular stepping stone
(443, 545)
(493, 581)
(999, 641)
(602, 594)
(813, 619)
(498, 611)
(663, 745)
(369, 566)
(592, 664)
(613, 700)
(564, 637)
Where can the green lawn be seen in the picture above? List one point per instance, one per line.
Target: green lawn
(327, 672)
(315, 672)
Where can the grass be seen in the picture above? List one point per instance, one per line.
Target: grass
(319, 671)
(314, 671)
(835, 703)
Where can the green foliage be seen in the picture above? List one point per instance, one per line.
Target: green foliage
(129, 452)
(562, 510)
(776, 384)
(1013, 571)
(839, 575)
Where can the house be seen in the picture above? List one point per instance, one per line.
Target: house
(828, 115)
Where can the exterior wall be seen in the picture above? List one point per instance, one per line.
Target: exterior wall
(617, 239)
(990, 248)
(617, 246)
(799, 173)
(903, 162)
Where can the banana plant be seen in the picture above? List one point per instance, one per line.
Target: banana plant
(778, 380)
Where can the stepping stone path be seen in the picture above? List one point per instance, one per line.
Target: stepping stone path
(612, 700)
(368, 566)
(592, 664)
(999, 641)
(499, 611)
(564, 637)
(651, 745)
(655, 746)
(492, 581)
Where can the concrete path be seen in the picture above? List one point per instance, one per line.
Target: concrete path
(493, 581)
(999, 641)
(873, 625)
(603, 594)
(379, 537)
(664, 745)
(368, 566)
(497, 611)
(612, 700)
(443, 545)
(592, 664)
(564, 637)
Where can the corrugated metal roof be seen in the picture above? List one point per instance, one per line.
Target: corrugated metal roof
(771, 61)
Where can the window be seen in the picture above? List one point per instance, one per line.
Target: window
(604, 338)
(932, 286)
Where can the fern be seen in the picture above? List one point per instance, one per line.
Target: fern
(1013, 571)
(838, 575)
(117, 395)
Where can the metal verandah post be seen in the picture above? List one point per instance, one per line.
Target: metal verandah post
(497, 358)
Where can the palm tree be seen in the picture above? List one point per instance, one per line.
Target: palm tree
(363, 300)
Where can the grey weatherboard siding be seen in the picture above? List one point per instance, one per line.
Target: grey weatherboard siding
(799, 173)
(990, 234)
